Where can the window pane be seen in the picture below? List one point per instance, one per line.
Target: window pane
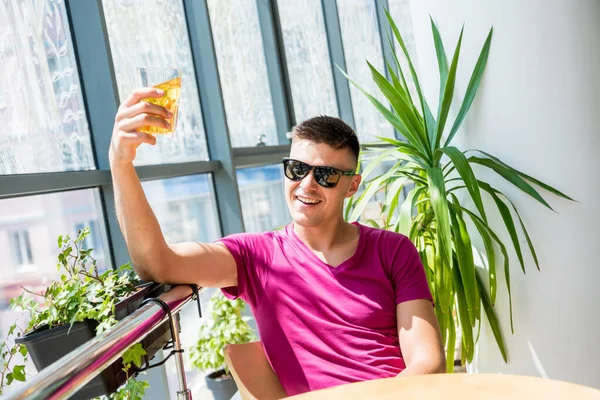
(185, 208)
(29, 228)
(360, 35)
(153, 33)
(400, 12)
(243, 72)
(307, 55)
(186, 211)
(41, 106)
(262, 197)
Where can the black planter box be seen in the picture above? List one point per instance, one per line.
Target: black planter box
(45, 346)
(222, 386)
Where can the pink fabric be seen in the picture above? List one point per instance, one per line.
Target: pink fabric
(323, 326)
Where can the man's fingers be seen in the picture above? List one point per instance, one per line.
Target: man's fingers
(137, 138)
(142, 93)
(133, 124)
(143, 107)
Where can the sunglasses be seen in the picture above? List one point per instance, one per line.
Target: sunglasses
(328, 177)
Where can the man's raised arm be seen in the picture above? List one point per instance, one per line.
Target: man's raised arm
(209, 265)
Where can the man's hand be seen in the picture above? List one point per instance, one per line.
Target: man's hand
(131, 116)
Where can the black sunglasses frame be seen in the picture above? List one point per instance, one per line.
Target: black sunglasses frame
(321, 173)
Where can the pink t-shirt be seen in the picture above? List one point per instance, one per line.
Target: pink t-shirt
(323, 326)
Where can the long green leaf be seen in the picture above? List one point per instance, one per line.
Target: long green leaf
(439, 203)
(406, 148)
(448, 94)
(481, 225)
(466, 266)
(412, 176)
(348, 208)
(472, 87)
(450, 344)
(442, 319)
(391, 117)
(508, 220)
(440, 53)
(393, 195)
(529, 178)
(492, 319)
(400, 105)
(466, 173)
(372, 164)
(400, 69)
(406, 208)
(463, 313)
(511, 176)
(424, 106)
(397, 84)
(491, 261)
(524, 229)
(371, 189)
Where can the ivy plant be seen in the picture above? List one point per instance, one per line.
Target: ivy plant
(80, 293)
(227, 326)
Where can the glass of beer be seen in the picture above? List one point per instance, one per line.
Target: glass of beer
(168, 80)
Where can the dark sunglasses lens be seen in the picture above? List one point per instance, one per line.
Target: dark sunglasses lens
(327, 177)
(295, 170)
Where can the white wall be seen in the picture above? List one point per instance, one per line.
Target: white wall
(538, 110)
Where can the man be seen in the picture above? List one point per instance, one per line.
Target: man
(334, 302)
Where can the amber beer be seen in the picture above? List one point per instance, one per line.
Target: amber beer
(168, 80)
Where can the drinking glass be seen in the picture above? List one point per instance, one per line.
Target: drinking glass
(169, 80)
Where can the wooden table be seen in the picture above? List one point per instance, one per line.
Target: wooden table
(457, 387)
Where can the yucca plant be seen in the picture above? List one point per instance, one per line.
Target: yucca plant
(440, 179)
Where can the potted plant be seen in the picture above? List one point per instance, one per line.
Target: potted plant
(227, 326)
(71, 311)
(440, 180)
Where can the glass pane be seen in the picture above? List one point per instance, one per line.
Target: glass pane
(186, 211)
(262, 197)
(400, 12)
(307, 55)
(41, 105)
(243, 72)
(29, 228)
(153, 33)
(360, 35)
(185, 208)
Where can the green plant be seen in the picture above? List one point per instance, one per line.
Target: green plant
(440, 180)
(80, 293)
(227, 326)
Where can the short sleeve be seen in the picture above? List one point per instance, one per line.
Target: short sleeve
(410, 281)
(253, 253)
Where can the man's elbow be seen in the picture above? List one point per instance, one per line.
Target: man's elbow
(148, 272)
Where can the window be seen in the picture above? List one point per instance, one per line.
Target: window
(400, 12)
(153, 33)
(185, 208)
(308, 60)
(41, 106)
(262, 197)
(29, 228)
(362, 43)
(243, 72)
(21, 249)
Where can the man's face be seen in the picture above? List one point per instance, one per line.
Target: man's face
(311, 204)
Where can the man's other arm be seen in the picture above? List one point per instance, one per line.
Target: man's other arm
(420, 339)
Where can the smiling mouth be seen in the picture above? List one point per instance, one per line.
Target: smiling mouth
(307, 201)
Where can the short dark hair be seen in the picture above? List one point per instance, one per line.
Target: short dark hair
(329, 130)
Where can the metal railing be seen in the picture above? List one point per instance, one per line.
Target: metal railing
(69, 374)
